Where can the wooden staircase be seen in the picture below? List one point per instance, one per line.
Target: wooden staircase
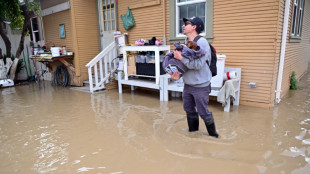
(101, 68)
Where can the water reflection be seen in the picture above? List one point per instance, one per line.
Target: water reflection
(58, 130)
(50, 151)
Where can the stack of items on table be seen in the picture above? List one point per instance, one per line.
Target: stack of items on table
(143, 63)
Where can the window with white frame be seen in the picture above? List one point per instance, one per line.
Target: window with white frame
(109, 16)
(35, 29)
(188, 9)
(297, 18)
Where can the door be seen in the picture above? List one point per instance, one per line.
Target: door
(107, 21)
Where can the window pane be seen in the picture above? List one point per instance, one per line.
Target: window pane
(108, 16)
(104, 15)
(113, 25)
(191, 10)
(180, 26)
(299, 23)
(37, 36)
(302, 4)
(183, 12)
(105, 26)
(34, 24)
(203, 20)
(297, 17)
(201, 9)
(112, 17)
(294, 20)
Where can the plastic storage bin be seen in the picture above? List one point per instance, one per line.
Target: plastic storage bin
(148, 69)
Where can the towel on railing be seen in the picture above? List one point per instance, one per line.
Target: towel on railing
(227, 91)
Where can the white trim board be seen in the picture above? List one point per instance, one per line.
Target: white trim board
(55, 9)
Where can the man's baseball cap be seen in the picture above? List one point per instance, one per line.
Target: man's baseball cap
(195, 21)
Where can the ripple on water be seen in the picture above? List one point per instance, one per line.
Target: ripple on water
(307, 141)
(84, 169)
(51, 151)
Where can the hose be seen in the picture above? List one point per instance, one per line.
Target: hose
(62, 76)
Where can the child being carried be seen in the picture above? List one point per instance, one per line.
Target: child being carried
(189, 51)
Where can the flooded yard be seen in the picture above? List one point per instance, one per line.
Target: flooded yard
(60, 130)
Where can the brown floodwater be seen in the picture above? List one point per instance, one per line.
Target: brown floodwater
(63, 131)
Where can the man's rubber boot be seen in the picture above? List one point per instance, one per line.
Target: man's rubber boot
(211, 127)
(193, 122)
(211, 130)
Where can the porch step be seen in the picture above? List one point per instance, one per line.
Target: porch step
(86, 83)
(111, 85)
(86, 89)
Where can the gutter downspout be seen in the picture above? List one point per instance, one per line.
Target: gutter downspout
(282, 54)
(164, 20)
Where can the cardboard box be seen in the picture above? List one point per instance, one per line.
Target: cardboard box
(131, 70)
(131, 59)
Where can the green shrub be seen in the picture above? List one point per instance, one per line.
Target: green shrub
(294, 82)
(20, 66)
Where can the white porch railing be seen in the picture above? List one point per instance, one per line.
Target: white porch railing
(106, 60)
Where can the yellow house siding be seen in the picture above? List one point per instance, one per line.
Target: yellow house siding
(51, 25)
(81, 32)
(167, 17)
(297, 55)
(246, 32)
(51, 29)
(85, 31)
(149, 20)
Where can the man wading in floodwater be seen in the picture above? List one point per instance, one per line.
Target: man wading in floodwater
(197, 86)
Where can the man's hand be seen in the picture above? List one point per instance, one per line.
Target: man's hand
(175, 75)
(177, 55)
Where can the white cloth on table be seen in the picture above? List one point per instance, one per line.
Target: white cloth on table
(227, 91)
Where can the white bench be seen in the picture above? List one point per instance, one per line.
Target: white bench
(167, 84)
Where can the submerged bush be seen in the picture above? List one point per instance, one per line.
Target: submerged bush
(294, 82)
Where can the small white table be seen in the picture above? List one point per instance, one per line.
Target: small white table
(140, 82)
(156, 49)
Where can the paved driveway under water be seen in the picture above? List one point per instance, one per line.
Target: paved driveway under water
(59, 130)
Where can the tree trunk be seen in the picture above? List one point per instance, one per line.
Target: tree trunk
(22, 37)
(6, 40)
(5, 67)
(13, 69)
(1, 53)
